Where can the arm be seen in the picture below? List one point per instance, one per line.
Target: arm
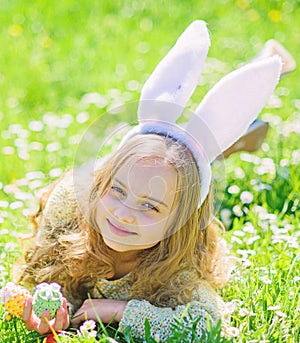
(160, 319)
(107, 310)
(135, 312)
(204, 304)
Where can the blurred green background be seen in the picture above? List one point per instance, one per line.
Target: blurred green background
(54, 53)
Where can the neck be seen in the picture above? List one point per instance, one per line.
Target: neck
(124, 262)
(124, 256)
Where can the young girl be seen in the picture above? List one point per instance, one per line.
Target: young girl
(136, 238)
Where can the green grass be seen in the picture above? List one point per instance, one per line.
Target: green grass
(53, 54)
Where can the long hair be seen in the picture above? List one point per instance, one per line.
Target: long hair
(79, 257)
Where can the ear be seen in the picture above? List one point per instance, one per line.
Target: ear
(176, 76)
(232, 104)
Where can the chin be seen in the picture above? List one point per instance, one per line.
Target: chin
(117, 246)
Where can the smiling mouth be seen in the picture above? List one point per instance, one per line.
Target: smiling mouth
(118, 231)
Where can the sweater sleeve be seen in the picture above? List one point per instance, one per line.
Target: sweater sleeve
(60, 210)
(206, 305)
(69, 197)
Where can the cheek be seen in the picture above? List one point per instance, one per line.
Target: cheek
(154, 226)
(106, 203)
(103, 207)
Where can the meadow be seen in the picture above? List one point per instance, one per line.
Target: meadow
(66, 64)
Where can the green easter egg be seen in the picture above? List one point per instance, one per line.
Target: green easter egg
(47, 297)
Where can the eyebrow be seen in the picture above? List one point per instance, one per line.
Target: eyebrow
(143, 196)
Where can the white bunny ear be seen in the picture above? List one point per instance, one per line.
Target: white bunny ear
(232, 104)
(176, 76)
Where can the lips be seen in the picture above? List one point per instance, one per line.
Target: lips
(119, 231)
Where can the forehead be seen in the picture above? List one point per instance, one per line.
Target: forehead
(148, 177)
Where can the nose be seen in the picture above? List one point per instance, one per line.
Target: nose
(124, 213)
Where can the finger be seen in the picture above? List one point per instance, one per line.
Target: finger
(44, 325)
(61, 320)
(27, 315)
(27, 309)
(66, 321)
(64, 304)
(58, 323)
(78, 317)
(62, 317)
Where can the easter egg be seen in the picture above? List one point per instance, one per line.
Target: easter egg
(47, 297)
(13, 299)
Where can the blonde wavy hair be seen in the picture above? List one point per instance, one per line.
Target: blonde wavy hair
(78, 257)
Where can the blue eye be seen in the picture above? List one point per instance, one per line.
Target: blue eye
(118, 190)
(151, 207)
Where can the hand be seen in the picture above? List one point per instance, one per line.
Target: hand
(107, 310)
(44, 324)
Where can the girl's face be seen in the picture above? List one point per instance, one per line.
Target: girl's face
(137, 210)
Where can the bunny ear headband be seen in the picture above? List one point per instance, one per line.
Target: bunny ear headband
(223, 115)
